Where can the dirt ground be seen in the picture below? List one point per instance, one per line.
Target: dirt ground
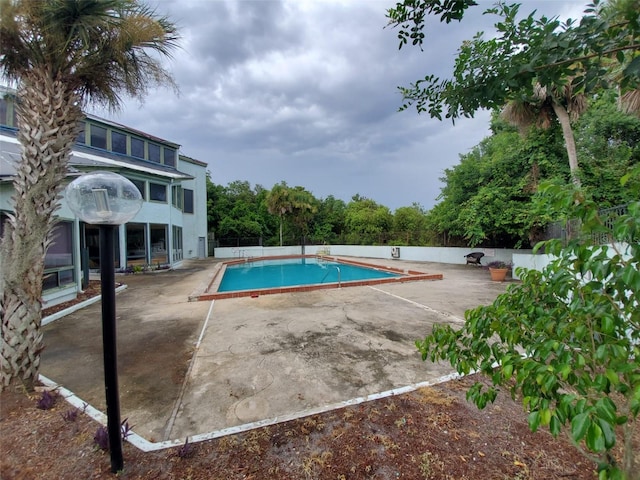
(432, 433)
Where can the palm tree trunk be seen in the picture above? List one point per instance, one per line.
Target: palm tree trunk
(48, 116)
(280, 229)
(569, 141)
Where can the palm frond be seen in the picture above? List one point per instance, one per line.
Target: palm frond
(520, 114)
(630, 102)
(99, 47)
(576, 105)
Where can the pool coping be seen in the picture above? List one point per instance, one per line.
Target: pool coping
(406, 276)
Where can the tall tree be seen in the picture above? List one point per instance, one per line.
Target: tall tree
(62, 54)
(279, 203)
(539, 110)
(303, 207)
(409, 225)
(608, 143)
(329, 221)
(366, 222)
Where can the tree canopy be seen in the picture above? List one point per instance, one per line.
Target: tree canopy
(489, 197)
(534, 50)
(532, 68)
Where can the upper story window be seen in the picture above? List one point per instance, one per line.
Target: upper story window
(115, 139)
(4, 109)
(157, 192)
(176, 196)
(188, 201)
(98, 137)
(137, 147)
(118, 142)
(154, 152)
(170, 156)
(81, 134)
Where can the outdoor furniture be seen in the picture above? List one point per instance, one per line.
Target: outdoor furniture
(474, 258)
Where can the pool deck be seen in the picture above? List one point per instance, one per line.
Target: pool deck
(204, 369)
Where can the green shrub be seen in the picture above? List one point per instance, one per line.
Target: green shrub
(565, 340)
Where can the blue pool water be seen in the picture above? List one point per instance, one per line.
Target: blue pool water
(290, 272)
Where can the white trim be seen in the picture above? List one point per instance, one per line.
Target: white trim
(110, 161)
(128, 165)
(78, 306)
(147, 446)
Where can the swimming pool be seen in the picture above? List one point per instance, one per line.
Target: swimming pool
(294, 271)
(329, 266)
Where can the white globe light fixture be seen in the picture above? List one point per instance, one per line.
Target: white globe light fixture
(103, 198)
(107, 199)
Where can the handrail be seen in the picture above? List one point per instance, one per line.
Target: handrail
(339, 276)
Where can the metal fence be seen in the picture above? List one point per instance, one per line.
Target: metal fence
(571, 229)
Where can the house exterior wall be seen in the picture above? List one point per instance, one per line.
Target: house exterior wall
(177, 233)
(194, 230)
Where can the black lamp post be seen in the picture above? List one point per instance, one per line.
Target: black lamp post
(108, 200)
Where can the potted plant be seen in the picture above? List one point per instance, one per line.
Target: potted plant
(498, 270)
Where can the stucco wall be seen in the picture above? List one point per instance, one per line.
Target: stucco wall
(194, 224)
(453, 255)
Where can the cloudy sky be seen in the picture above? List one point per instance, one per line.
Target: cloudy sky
(305, 91)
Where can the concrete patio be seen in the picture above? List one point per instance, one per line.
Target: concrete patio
(197, 368)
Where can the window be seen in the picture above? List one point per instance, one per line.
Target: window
(60, 251)
(137, 147)
(177, 243)
(4, 220)
(98, 137)
(141, 187)
(176, 197)
(4, 109)
(154, 152)
(169, 157)
(81, 134)
(188, 201)
(91, 243)
(136, 244)
(157, 192)
(159, 253)
(58, 262)
(118, 142)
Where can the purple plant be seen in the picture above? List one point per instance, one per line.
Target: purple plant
(187, 450)
(101, 438)
(125, 428)
(47, 400)
(71, 415)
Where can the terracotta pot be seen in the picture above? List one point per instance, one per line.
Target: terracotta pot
(498, 274)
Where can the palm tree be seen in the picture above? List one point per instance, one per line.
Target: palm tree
(303, 207)
(62, 54)
(567, 105)
(279, 203)
(539, 110)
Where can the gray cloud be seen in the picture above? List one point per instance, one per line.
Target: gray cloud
(305, 91)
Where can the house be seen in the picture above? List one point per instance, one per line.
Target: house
(170, 226)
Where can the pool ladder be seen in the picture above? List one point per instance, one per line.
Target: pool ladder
(328, 272)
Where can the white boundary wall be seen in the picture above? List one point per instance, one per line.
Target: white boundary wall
(452, 255)
(530, 262)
